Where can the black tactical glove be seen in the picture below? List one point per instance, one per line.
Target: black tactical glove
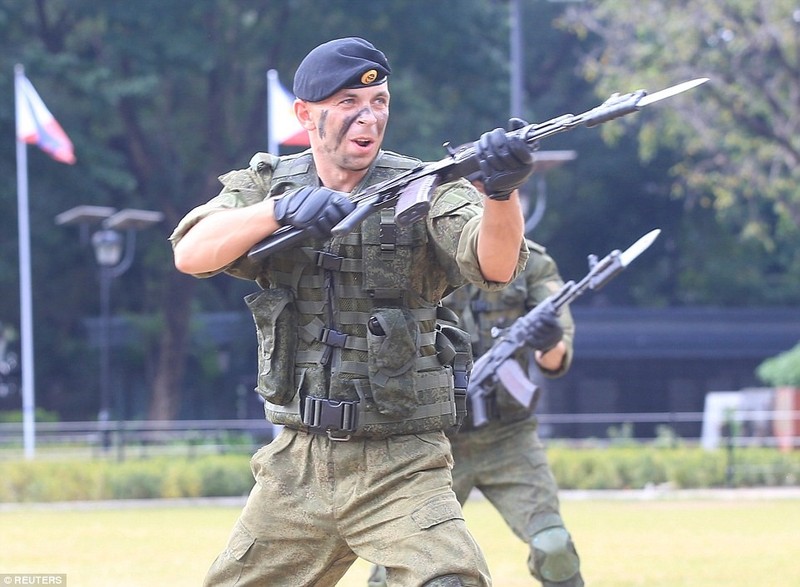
(543, 329)
(515, 123)
(505, 162)
(318, 209)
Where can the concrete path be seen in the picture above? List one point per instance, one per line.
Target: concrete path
(648, 494)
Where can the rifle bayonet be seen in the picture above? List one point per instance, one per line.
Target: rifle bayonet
(496, 363)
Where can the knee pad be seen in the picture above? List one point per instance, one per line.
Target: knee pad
(554, 560)
(445, 581)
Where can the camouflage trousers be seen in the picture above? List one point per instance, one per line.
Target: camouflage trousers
(508, 464)
(319, 504)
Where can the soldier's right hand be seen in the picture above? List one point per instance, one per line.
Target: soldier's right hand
(316, 208)
(506, 161)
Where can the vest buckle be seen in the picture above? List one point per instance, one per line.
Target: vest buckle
(328, 261)
(330, 417)
(332, 337)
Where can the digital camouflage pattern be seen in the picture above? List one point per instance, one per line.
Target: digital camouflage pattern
(321, 500)
(373, 273)
(505, 459)
(315, 507)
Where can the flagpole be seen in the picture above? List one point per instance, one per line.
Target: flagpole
(272, 141)
(25, 291)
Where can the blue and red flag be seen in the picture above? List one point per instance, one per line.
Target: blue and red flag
(37, 126)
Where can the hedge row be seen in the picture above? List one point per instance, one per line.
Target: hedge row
(679, 468)
(41, 481)
(229, 475)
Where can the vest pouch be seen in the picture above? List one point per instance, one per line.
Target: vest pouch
(275, 317)
(388, 254)
(451, 337)
(392, 347)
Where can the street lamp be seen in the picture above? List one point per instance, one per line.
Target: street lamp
(109, 246)
(8, 360)
(544, 159)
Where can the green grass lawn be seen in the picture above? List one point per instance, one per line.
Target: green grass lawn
(659, 543)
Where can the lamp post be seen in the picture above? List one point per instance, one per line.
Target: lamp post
(544, 159)
(108, 247)
(114, 255)
(8, 361)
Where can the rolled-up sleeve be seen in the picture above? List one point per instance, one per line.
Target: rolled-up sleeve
(454, 222)
(241, 188)
(543, 279)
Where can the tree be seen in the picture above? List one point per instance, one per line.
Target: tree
(159, 99)
(782, 369)
(162, 97)
(738, 132)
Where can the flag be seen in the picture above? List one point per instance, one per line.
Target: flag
(37, 126)
(284, 128)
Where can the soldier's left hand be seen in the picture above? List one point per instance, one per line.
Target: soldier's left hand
(544, 329)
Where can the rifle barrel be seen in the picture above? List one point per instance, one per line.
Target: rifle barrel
(462, 162)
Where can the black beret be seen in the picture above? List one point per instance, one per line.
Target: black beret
(342, 63)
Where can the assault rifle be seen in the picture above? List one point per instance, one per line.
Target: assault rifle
(409, 192)
(498, 362)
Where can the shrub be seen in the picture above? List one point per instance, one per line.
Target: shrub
(182, 480)
(137, 479)
(226, 475)
(614, 467)
(781, 370)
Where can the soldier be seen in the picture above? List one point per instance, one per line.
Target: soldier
(505, 458)
(346, 327)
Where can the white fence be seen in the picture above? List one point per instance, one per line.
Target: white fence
(737, 427)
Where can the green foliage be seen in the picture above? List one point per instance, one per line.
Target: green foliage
(43, 481)
(616, 467)
(40, 415)
(219, 478)
(621, 435)
(630, 467)
(666, 437)
(737, 130)
(781, 370)
(160, 98)
(138, 480)
(182, 480)
(697, 469)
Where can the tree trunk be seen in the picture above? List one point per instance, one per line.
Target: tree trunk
(173, 346)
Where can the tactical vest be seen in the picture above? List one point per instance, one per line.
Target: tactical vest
(482, 312)
(346, 346)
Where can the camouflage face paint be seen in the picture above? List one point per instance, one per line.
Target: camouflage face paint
(348, 122)
(323, 118)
